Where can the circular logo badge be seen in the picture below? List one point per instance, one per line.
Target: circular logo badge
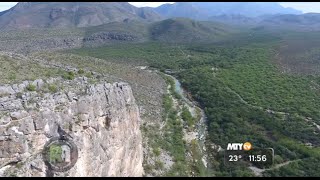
(247, 146)
(60, 154)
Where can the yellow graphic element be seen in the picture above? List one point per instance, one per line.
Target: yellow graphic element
(247, 146)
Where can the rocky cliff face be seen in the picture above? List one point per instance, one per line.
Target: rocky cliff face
(102, 119)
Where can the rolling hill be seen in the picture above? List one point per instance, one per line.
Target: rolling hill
(177, 30)
(173, 30)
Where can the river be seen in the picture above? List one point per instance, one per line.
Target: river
(197, 112)
(201, 126)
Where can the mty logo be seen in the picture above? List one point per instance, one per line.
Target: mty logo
(239, 146)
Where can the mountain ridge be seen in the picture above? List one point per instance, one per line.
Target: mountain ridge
(72, 14)
(203, 10)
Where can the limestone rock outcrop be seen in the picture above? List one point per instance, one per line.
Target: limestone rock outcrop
(102, 119)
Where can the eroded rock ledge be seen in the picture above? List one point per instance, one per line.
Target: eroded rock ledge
(102, 119)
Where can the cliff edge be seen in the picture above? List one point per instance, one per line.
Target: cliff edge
(101, 119)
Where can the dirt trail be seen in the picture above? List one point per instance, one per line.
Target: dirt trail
(308, 119)
(258, 171)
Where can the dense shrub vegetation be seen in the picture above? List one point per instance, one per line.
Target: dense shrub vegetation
(246, 97)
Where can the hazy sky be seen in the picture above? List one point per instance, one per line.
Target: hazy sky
(303, 6)
(6, 5)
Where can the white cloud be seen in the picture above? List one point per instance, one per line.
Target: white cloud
(303, 6)
(149, 4)
(6, 5)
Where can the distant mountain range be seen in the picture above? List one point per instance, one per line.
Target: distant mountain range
(205, 10)
(246, 14)
(303, 19)
(85, 14)
(164, 20)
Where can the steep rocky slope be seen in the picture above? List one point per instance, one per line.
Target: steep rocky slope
(71, 14)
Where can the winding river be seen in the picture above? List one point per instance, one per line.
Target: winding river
(201, 126)
(196, 112)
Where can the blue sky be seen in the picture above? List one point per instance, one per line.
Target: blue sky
(303, 6)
